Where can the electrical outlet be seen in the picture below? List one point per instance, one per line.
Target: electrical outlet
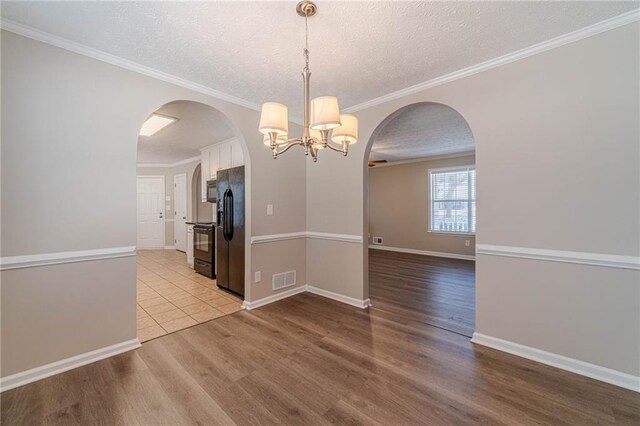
(466, 243)
(258, 276)
(269, 209)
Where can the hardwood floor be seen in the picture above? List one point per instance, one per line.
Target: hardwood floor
(433, 290)
(309, 360)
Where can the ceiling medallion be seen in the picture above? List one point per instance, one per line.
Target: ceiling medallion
(321, 115)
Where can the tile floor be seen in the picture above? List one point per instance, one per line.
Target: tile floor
(172, 296)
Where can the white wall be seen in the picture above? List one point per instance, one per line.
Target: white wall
(557, 154)
(69, 138)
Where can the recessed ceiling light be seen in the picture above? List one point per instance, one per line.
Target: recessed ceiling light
(155, 123)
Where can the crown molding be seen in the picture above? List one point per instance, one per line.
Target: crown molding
(167, 165)
(63, 43)
(591, 30)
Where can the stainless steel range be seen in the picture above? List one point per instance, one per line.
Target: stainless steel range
(204, 249)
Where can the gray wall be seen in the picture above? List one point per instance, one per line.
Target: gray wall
(399, 209)
(71, 124)
(557, 157)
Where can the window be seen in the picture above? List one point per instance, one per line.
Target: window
(453, 200)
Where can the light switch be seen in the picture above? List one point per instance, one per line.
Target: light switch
(269, 209)
(258, 276)
(466, 243)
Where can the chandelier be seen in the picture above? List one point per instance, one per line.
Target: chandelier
(321, 115)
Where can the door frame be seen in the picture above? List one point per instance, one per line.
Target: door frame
(164, 213)
(186, 208)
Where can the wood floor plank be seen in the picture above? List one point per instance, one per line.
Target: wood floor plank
(309, 360)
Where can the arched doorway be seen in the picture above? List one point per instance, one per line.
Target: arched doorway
(420, 215)
(182, 146)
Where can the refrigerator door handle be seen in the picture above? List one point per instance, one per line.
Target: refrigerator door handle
(228, 215)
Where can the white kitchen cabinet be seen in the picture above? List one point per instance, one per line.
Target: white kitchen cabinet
(224, 150)
(214, 161)
(220, 156)
(237, 157)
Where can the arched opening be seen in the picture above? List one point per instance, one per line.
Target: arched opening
(186, 272)
(420, 213)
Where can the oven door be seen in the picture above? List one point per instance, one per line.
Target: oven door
(203, 243)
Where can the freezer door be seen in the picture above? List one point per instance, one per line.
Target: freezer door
(236, 243)
(222, 259)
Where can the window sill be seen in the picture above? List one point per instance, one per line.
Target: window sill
(453, 233)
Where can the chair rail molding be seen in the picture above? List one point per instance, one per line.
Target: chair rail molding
(260, 239)
(33, 260)
(577, 257)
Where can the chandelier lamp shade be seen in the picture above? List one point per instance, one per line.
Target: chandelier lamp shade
(323, 126)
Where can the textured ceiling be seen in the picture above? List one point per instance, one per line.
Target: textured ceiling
(422, 130)
(198, 126)
(359, 50)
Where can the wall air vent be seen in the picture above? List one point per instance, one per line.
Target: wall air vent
(377, 241)
(283, 279)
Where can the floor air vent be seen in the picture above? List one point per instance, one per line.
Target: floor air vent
(283, 279)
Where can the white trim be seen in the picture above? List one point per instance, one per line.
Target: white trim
(169, 247)
(259, 239)
(307, 288)
(44, 371)
(32, 260)
(425, 159)
(359, 303)
(335, 237)
(168, 220)
(165, 165)
(36, 34)
(581, 258)
(593, 371)
(591, 30)
(273, 298)
(423, 252)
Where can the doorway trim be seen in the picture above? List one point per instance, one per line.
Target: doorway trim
(164, 215)
(175, 209)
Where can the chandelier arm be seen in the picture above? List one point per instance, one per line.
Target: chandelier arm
(334, 148)
(287, 147)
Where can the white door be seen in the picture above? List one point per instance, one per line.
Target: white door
(150, 212)
(180, 211)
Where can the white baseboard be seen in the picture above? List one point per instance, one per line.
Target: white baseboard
(339, 297)
(169, 247)
(307, 288)
(423, 252)
(39, 373)
(593, 371)
(273, 298)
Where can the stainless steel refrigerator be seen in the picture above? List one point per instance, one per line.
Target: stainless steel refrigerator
(230, 229)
